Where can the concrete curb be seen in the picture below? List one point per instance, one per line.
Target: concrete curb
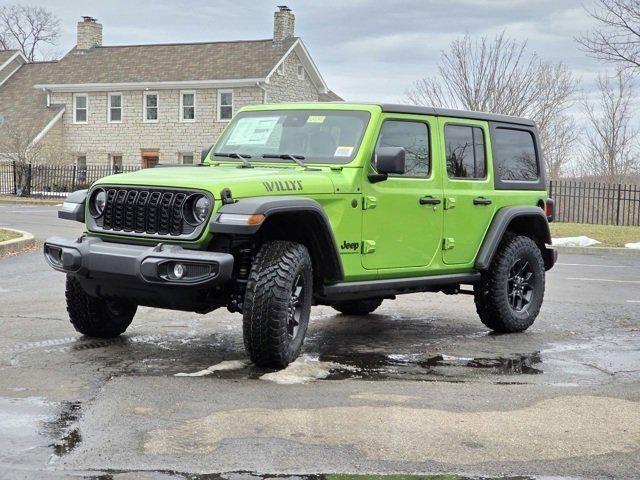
(624, 252)
(16, 245)
(29, 201)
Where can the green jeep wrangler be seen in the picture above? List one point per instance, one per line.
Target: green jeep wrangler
(318, 204)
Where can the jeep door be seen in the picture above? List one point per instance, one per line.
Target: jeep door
(402, 218)
(468, 188)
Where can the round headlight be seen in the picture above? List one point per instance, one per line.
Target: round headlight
(98, 202)
(201, 209)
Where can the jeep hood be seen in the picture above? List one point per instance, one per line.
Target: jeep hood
(243, 182)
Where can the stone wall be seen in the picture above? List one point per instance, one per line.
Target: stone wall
(288, 87)
(98, 139)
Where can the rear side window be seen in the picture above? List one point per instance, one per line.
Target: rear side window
(414, 138)
(514, 155)
(464, 146)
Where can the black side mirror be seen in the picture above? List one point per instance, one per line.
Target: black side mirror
(388, 160)
(205, 152)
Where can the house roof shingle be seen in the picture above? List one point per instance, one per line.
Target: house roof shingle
(6, 55)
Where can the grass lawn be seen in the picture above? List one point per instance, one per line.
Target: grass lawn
(7, 235)
(607, 235)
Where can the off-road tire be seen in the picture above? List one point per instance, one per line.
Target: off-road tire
(95, 317)
(357, 307)
(492, 297)
(266, 320)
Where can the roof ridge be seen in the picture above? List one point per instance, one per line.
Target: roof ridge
(185, 43)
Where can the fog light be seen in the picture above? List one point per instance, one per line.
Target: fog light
(178, 271)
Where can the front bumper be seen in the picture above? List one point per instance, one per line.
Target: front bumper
(92, 257)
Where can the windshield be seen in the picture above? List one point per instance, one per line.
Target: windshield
(317, 136)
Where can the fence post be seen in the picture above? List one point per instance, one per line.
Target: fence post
(618, 206)
(73, 180)
(15, 186)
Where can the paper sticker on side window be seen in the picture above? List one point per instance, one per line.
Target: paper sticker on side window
(343, 151)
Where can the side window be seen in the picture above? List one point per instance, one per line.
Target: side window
(414, 138)
(514, 155)
(464, 146)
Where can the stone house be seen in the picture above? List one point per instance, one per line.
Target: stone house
(144, 104)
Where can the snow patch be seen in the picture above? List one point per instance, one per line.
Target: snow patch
(581, 241)
(225, 365)
(304, 370)
(635, 246)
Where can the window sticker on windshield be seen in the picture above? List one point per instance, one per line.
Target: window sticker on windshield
(253, 130)
(343, 151)
(316, 119)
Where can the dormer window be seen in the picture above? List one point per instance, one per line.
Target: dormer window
(300, 72)
(280, 69)
(80, 107)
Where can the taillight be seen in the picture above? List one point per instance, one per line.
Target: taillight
(549, 209)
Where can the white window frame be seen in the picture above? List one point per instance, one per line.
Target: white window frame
(112, 160)
(181, 156)
(144, 107)
(182, 105)
(280, 69)
(219, 108)
(86, 109)
(300, 72)
(113, 94)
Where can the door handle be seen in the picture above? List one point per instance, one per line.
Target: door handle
(482, 201)
(429, 200)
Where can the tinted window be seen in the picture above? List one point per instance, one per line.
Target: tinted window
(465, 151)
(414, 138)
(514, 155)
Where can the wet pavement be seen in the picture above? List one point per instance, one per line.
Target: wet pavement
(418, 387)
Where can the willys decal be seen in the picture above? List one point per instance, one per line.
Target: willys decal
(283, 186)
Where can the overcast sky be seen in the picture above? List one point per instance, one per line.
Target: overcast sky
(366, 49)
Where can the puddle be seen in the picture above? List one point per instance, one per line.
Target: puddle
(306, 369)
(64, 428)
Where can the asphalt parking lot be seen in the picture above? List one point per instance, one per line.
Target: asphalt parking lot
(419, 387)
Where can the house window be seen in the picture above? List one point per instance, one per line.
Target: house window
(225, 105)
(150, 110)
(80, 108)
(187, 106)
(464, 146)
(116, 163)
(280, 69)
(300, 72)
(81, 168)
(115, 107)
(186, 158)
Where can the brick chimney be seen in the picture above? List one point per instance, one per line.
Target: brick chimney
(283, 24)
(89, 34)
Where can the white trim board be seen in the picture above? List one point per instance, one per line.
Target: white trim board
(13, 57)
(47, 127)
(178, 85)
(307, 62)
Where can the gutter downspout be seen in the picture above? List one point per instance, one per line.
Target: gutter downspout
(264, 91)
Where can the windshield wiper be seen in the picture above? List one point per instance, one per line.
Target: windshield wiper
(242, 157)
(287, 156)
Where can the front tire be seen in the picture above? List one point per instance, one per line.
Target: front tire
(357, 307)
(510, 293)
(96, 317)
(277, 303)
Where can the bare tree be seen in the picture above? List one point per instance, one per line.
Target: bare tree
(496, 75)
(28, 29)
(616, 39)
(611, 150)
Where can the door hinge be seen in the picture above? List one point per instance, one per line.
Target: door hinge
(368, 203)
(448, 243)
(368, 246)
(449, 203)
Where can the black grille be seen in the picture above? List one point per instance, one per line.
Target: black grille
(145, 211)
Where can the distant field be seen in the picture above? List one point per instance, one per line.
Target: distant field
(7, 235)
(609, 236)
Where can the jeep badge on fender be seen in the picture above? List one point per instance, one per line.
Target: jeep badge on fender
(425, 205)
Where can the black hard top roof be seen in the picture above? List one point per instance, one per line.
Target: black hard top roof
(447, 112)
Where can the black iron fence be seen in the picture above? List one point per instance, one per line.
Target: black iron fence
(37, 180)
(596, 202)
(576, 201)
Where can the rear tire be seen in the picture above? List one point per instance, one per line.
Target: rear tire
(510, 293)
(277, 303)
(357, 307)
(96, 317)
